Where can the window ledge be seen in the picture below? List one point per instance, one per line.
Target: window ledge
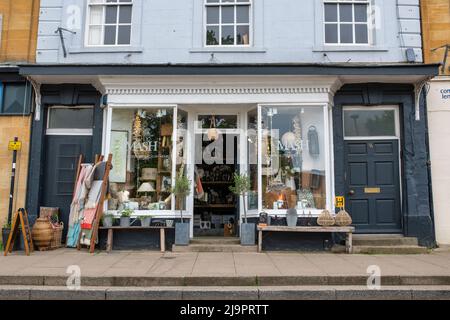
(118, 49)
(228, 50)
(349, 49)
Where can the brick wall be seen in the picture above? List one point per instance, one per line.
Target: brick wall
(436, 30)
(11, 127)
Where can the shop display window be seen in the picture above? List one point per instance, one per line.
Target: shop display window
(293, 158)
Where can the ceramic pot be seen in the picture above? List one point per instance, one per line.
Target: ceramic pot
(145, 222)
(125, 222)
(291, 217)
(42, 233)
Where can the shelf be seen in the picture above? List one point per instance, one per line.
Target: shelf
(217, 182)
(215, 206)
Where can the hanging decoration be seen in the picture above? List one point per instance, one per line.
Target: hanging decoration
(212, 132)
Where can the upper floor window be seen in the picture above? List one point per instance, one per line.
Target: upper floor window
(228, 22)
(346, 21)
(109, 22)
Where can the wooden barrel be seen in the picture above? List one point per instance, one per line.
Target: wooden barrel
(42, 233)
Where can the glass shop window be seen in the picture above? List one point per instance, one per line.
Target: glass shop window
(15, 98)
(293, 158)
(370, 123)
(141, 144)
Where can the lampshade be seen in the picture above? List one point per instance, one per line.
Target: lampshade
(212, 134)
(146, 187)
(288, 140)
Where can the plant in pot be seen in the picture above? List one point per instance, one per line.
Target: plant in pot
(181, 190)
(145, 220)
(107, 220)
(125, 217)
(241, 188)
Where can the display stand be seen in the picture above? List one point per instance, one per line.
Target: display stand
(20, 219)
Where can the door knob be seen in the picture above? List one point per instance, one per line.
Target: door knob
(351, 192)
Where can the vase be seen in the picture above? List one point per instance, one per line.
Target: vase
(291, 217)
(42, 233)
(124, 222)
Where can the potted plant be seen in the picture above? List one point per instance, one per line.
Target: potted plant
(241, 188)
(181, 190)
(145, 220)
(18, 243)
(125, 217)
(107, 220)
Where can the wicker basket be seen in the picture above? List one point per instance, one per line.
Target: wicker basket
(343, 218)
(57, 236)
(325, 219)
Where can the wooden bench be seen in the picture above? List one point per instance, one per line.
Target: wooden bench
(162, 235)
(347, 230)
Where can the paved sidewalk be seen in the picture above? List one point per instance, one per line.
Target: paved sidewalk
(150, 268)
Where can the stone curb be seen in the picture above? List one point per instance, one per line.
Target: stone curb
(226, 293)
(235, 281)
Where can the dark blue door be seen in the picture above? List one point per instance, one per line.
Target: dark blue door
(61, 158)
(373, 185)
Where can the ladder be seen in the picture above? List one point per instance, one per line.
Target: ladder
(20, 219)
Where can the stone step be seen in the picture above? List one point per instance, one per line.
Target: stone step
(388, 240)
(226, 281)
(214, 248)
(402, 249)
(225, 293)
(215, 240)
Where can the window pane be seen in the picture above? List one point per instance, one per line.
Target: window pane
(125, 14)
(361, 33)
(212, 15)
(346, 33)
(242, 14)
(243, 35)
(110, 35)
(360, 13)
(227, 35)
(220, 121)
(331, 12)
(228, 14)
(111, 14)
(369, 123)
(146, 165)
(96, 15)
(70, 118)
(124, 35)
(345, 13)
(293, 158)
(212, 36)
(16, 98)
(331, 33)
(95, 35)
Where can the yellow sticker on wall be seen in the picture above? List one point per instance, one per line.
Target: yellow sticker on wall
(14, 145)
(340, 202)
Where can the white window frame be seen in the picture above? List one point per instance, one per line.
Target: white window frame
(68, 131)
(328, 145)
(374, 108)
(105, 4)
(235, 24)
(352, 23)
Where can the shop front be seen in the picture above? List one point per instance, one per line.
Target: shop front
(280, 137)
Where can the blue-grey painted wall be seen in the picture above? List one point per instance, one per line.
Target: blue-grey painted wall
(171, 31)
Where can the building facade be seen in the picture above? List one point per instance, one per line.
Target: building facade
(310, 99)
(436, 45)
(18, 39)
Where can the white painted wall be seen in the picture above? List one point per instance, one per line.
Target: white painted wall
(439, 130)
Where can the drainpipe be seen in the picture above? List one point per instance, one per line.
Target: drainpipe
(430, 184)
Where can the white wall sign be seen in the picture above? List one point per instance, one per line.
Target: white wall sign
(119, 149)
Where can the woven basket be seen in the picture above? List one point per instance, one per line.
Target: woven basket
(57, 236)
(325, 219)
(343, 218)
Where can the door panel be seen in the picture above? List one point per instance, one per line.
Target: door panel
(61, 157)
(373, 185)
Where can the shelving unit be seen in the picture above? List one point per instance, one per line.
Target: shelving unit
(164, 172)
